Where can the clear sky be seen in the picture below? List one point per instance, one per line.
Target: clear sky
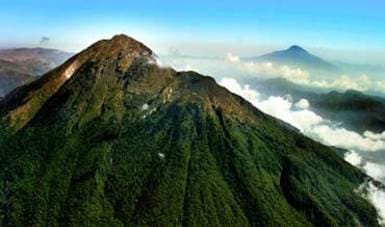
(332, 27)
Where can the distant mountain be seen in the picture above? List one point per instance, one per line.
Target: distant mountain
(299, 57)
(355, 110)
(21, 65)
(36, 61)
(109, 138)
(12, 76)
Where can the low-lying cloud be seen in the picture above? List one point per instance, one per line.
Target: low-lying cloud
(377, 197)
(375, 170)
(300, 76)
(268, 69)
(311, 124)
(299, 115)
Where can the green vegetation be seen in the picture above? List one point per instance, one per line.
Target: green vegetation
(153, 147)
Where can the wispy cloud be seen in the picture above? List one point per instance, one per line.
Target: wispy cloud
(44, 40)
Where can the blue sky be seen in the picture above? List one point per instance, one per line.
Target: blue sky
(332, 28)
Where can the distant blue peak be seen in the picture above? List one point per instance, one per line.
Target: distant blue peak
(296, 49)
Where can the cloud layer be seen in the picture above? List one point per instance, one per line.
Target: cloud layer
(303, 77)
(268, 69)
(300, 116)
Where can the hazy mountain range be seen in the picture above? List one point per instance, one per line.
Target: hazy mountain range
(21, 65)
(111, 138)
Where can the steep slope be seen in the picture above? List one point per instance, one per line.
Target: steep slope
(299, 57)
(111, 139)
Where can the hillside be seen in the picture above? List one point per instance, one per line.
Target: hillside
(110, 139)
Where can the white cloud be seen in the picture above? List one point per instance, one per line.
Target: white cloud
(302, 104)
(232, 58)
(341, 137)
(368, 190)
(245, 91)
(281, 108)
(353, 158)
(375, 170)
(273, 70)
(375, 136)
(377, 197)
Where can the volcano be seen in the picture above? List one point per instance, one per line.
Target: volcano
(110, 138)
(297, 56)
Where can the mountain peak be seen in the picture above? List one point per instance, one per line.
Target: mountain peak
(298, 57)
(121, 47)
(109, 58)
(296, 48)
(117, 53)
(125, 41)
